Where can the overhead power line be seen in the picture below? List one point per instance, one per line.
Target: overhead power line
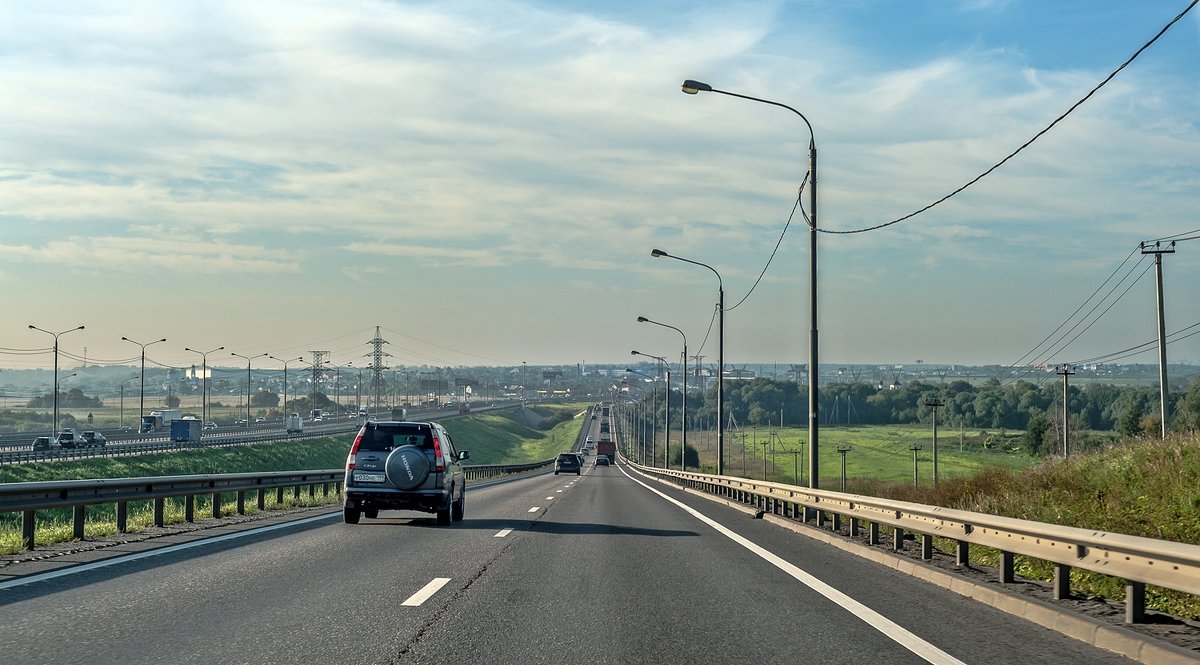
(1026, 144)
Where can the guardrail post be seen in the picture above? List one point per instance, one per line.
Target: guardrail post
(324, 489)
(189, 508)
(28, 525)
(262, 499)
(216, 507)
(873, 533)
(1135, 601)
(241, 502)
(296, 492)
(78, 515)
(1006, 567)
(278, 495)
(837, 521)
(312, 490)
(897, 539)
(1062, 581)
(854, 527)
(926, 546)
(122, 516)
(962, 553)
(159, 510)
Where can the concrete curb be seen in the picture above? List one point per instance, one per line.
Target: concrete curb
(1105, 636)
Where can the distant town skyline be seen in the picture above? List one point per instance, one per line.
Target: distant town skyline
(485, 180)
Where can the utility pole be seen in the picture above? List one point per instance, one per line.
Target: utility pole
(764, 444)
(1158, 250)
(318, 360)
(842, 450)
(915, 448)
(934, 404)
(1065, 371)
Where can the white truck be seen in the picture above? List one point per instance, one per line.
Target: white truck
(157, 421)
(295, 424)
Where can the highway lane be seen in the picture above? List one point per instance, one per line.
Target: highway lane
(604, 570)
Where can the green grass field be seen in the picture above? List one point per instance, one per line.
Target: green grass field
(877, 453)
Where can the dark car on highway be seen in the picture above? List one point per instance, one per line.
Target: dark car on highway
(92, 438)
(567, 463)
(404, 466)
(42, 443)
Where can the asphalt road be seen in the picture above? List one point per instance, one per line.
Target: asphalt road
(598, 568)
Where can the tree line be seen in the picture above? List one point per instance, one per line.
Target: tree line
(1020, 406)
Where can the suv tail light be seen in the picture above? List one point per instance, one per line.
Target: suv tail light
(354, 451)
(437, 454)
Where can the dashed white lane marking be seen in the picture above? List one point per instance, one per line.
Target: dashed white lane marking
(503, 533)
(535, 509)
(549, 498)
(558, 491)
(869, 616)
(426, 591)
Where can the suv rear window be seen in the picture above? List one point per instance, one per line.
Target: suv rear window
(384, 438)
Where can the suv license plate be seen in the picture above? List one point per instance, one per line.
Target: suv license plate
(360, 477)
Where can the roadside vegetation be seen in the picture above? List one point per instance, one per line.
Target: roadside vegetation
(1140, 487)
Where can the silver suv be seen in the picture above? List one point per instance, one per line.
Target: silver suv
(404, 466)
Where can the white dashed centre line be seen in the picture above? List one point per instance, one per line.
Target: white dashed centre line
(535, 509)
(549, 498)
(558, 491)
(503, 533)
(428, 590)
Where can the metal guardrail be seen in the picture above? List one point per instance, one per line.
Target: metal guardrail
(1139, 561)
(28, 498)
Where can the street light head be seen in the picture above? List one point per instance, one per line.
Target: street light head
(657, 253)
(642, 319)
(692, 87)
(634, 353)
(32, 327)
(79, 328)
(123, 339)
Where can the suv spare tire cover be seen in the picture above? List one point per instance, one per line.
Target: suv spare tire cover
(407, 467)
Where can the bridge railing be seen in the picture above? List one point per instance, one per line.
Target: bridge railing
(77, 495)
(1137, 560)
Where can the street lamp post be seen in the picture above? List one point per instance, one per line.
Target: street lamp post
(123, 382)
(720, 355)
(683, 417)
(283, 408)
(204, 381)
(142, 398)
(54, 432)
(692, 87)
(653, 410)
(248, 359)
(666, 407)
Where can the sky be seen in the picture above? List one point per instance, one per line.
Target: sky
(485, 180)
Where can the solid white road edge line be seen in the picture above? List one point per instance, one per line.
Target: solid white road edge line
(872, 618)
(426, 591)
(149, 553)
(503, 533)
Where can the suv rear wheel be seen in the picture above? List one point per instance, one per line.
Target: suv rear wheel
(459, 508)
(350, 515)
(443, 514)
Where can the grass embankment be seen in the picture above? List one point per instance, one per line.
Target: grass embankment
(504, 438)
(492, 438)
(1143, 488)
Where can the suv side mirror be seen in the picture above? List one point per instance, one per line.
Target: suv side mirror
(464, 454)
